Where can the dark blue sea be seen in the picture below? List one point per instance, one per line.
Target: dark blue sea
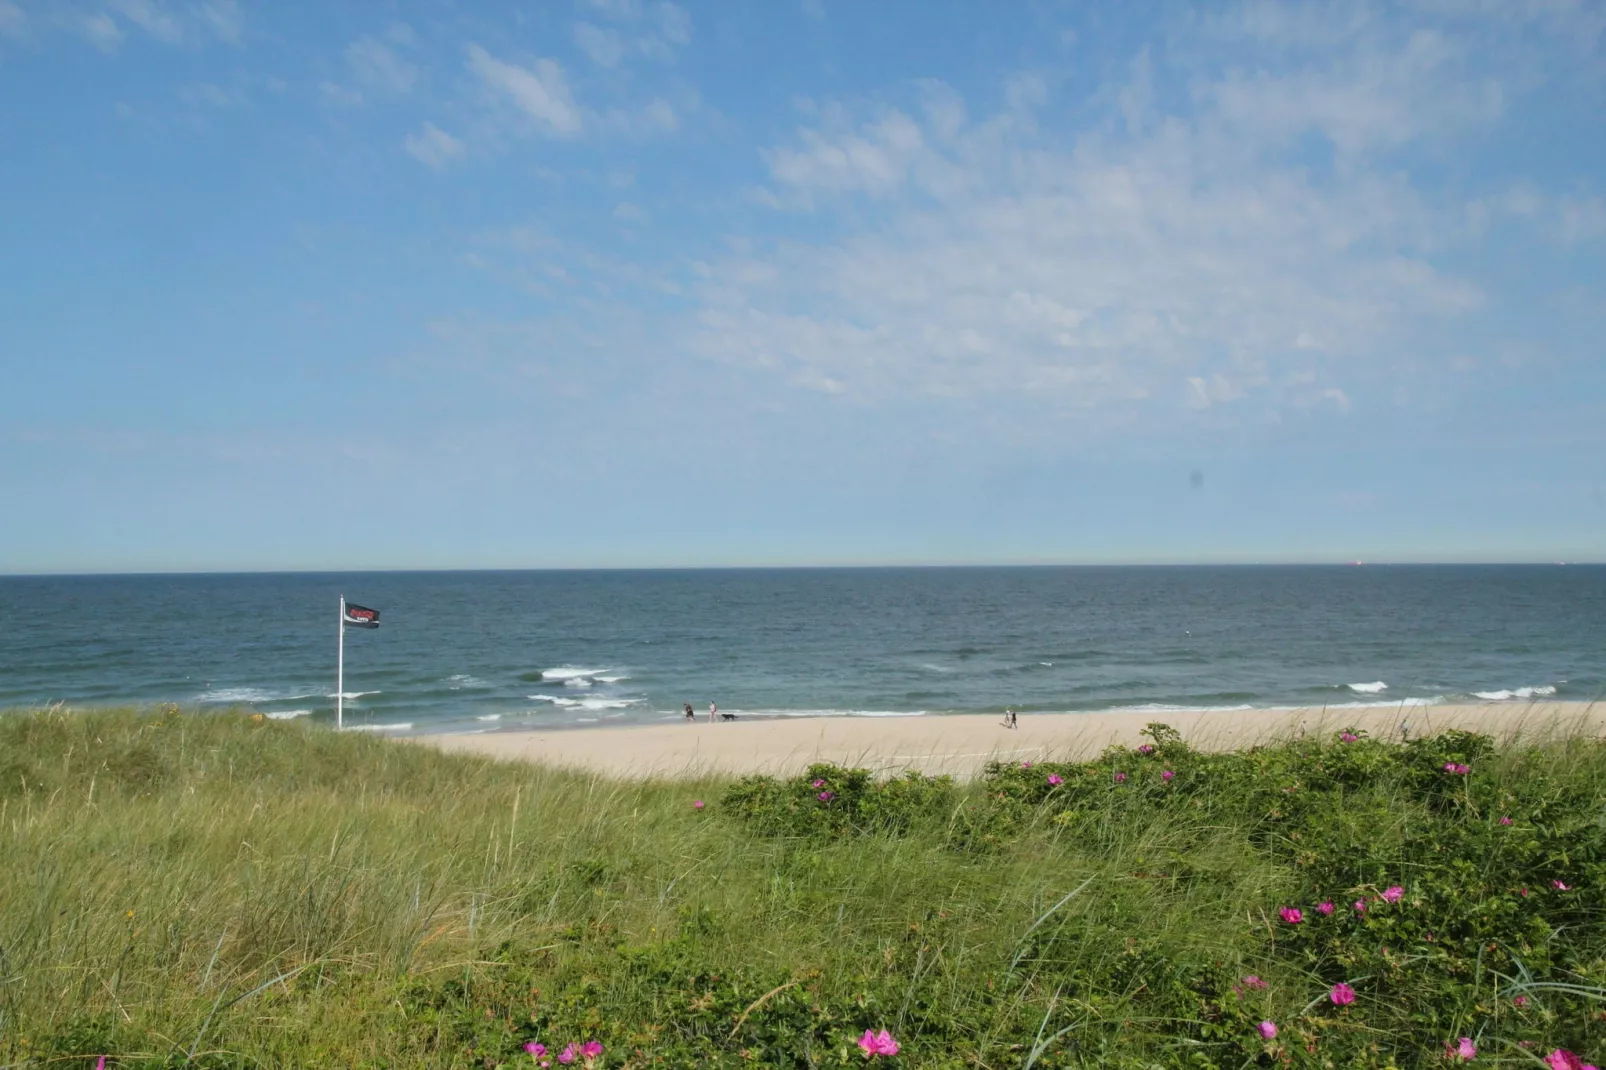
(489, 651)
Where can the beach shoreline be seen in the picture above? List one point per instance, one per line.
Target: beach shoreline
(960, 745)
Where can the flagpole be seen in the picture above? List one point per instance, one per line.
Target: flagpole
(340, 670)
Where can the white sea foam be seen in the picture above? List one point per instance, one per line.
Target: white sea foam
(349, 695)
(489, 717)
(611, 679)
(1167, 707)
(240, 694)
(287, 715)
(1390, 704)
(1517, 693)
(463, 679)
(405, 726)
(577, 681)
(1373, 688)
(568, 672)
(592, 703)
(929, 667)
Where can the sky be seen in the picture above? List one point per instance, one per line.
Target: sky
(621, 283)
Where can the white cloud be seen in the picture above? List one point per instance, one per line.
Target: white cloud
(874, 158)
(605, 47)
(376, 66)
(433, 146)
(13, 20)
(1157, 259)
(540, 93)
(151, 17)
(211, 95)
(225, 19)
(101, 30)
(626, 212)
(340, 94)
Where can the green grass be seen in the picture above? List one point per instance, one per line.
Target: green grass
(179, 889)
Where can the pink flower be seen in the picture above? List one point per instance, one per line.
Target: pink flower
(535, 1050)
(1268, 1030)
(591, 1050)
(1348, 737)
(1324, 909)
(1505, 820)
(100, 1063)
(1562, 1059)
(1560, 886)
(566, 1056)
(1360, 906)
(1146, 750)
(1025, 765)
(1392, 893)
(826, 796)
(1254, 982)
(697, 804)
(878, 1043)
(817, 784)
(1464, 1050)
(1342, 995)
(1520, 1001)
(1055, 780)
(1292, 915)
(1120, 778)
(1167, 775)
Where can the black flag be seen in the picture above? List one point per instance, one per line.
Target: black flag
(361, 616)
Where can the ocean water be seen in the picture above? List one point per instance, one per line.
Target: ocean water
(493, 651)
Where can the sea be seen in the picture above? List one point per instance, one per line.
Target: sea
(507, 651)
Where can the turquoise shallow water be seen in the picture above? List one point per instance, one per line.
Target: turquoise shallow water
(497, 650)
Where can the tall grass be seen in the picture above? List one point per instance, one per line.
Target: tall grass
(178, 889)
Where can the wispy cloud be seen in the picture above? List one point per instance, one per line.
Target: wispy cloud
(433, 146)
(539, 92)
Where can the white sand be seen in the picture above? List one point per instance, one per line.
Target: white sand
(961, 745)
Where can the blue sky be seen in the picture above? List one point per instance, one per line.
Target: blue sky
(618, 282)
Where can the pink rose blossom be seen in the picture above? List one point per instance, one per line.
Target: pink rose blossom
(566, 1056)
(1268, 1030)
(1324, 909)
(1360, 906)
(1167, 775)
(1393, 893)
(1025, 765)
(878, 1043)
(1342, 995)
(591, 1050)
(1464, 1050)
(1505, 820)
(535, 1050)
(1146, 750)
(817, 784)
(1292, 915)
(1562, 1059)
(826, 796)
(1055, 780)
(697, 804)
(1348, 737)
(1560, 886)
(1253, 981)
(1520, 1001)
(1120, 778)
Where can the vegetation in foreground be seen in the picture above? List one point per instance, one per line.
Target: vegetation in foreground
(219, 891)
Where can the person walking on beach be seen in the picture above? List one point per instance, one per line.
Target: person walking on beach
(713, 713)
(690, 716)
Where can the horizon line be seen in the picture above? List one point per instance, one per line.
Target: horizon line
(820, 567)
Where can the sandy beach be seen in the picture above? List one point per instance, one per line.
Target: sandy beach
(960, 745)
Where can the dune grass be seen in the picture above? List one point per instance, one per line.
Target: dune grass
(179, 889)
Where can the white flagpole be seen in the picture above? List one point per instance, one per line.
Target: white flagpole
(340, 670)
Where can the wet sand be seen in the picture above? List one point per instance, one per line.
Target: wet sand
(961, 745)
